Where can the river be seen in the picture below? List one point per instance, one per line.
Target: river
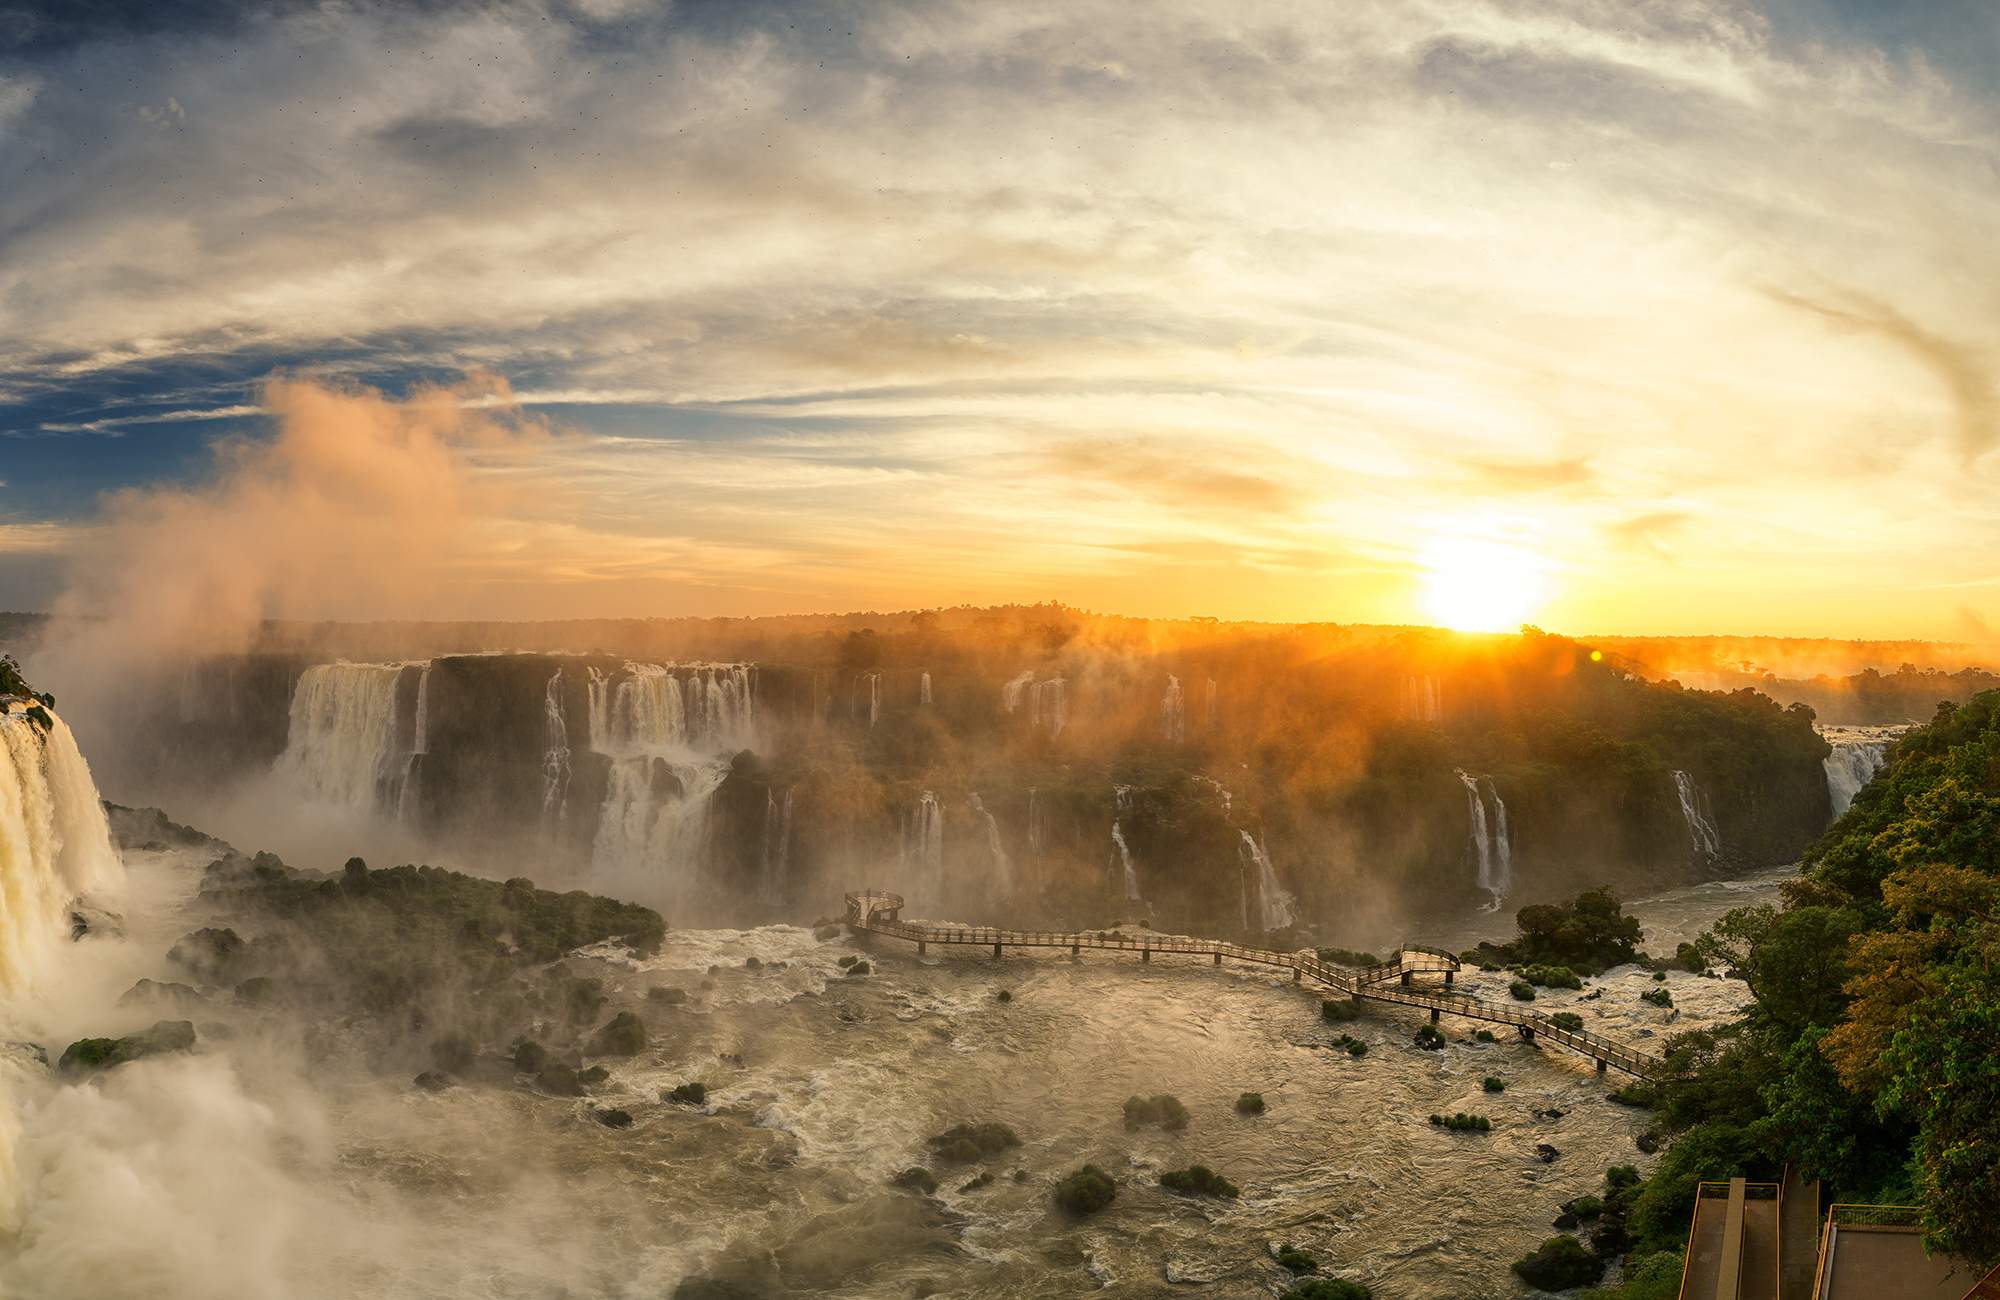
(271, 1165)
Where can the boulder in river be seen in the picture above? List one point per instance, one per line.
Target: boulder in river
(1546, 1153)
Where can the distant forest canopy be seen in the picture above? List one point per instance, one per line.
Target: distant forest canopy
(1846, 683)
(1374, 771)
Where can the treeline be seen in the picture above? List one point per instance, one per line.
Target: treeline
(1871, 1058)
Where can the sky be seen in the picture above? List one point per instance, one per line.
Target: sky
(1638, 318)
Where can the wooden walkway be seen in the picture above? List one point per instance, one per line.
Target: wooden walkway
(871, 912)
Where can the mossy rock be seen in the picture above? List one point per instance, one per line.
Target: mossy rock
(1339, 1009)
(559, 1080)
(1250, 1103)
(1560, 1264)
(1199, 1180)
(668, 994)
(595, 1074)
(1492, 1084)
(89, 1054)
(1296, 1260)
(615, 1118)
(965, 1143)
(530, 1057)
(689, 1094)
(1086, 1191)
(1567, 1020)
(430, 1082)
(915, 1179)
(861, 968)
(624, 1036)
(1162, 1108)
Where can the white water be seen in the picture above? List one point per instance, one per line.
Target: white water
(341, 747)
(1858, 754)
(1420, 697)
(409, 800)
(1492, 842)
(555, 756)
(924, 689)
(1279, 908)
(923, 847)
(1124, 858)
(1010, 693)
(1173, 714)
(1211, 703)
(1048, 705)
(1707, 840)
(55, 843)
(1003, 866)
(777, 850)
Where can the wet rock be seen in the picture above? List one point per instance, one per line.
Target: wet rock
(689, 1094)
(915, 1179)
(1546, 1153)
(615, 1118)
(834, 1247)
(84, 921)
(208, 953)
(217, 1030)
(89, 1054)
(152, 993)
(26, 1052)
(431, 1082)
(1559, 1264)
(1611, 1237)
(624, 1036)
(1550, 1113)
(1566, 1223)
(559, 1080)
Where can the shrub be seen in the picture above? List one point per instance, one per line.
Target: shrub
(1690, 956)
(965, 1143)
(530, 1057)
(1339, 1009)
(1354, 1046)
(1086, 1191)
(584, 998)
(1199, 1180)
(1552, 977)
(1621, 1176)
(1636, 1094)
(624, 1036)
(614, 1118)
(975, 1184)
(860, 968)
(751, 963)
(847, 961)
(1346, 957)
(915, 1179)
(1161, 1109)
(1020, 1175)
(1522, 991)
(1658, 997)
(1648, 1142)
(595, 1074)
(1485, 1036)
(1568, 1020)
(1429, 1038)
(1659, 977)
(560, 1080)
(691, 1094)
(1560, 1264)
(1463, 1122)
(1250, 1103)
(1492, 1084)
(1586, 1207)
(1004, 996)
(1330, 1288)
(1295, 1259)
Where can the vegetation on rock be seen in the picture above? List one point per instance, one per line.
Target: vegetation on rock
(1296, 1260)
(1339, 1009)
(1463, 1121)
(689, 1094)
(1086, 1191)
(1199, 1180)
(1250, 1103)
(89, 1054)
(1560, 1264)
(624, 1036)
(1161, 1108)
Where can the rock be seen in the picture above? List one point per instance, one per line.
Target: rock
(151, 993)
(1546, 1153)
(624, 1036)
(1087, 1190)
(595, 1074)
(1550, 1113)
(430, 1082)
(559, 1080)
(1560, 1264)
(692, 1094)
(530, 1057)
(1566, 1222)
(915, 1179)
(89, 1054)
(615, 1118)
(92, 920)
(207, 952)
(1611, 1237)
(217, 1030)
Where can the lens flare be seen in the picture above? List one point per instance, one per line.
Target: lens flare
(1475, 585)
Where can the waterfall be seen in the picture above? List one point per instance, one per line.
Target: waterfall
(555, 755)
(1003, 866)
(1279, 908)
(1852, 765)
(1124, 858)
(409, 801)
(923, 844)
(55, 844)
(924, 689)
(777, 849)
(341, 745)
(1010, 694)
(1707, 840)
(1211, 703)
(1492, 842)
(1173, 722)
(1421, 697)
(874, 698)
(1038, 829)
(1048, 705)
(654, 819)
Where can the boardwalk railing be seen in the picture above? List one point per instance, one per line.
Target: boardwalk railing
(874, 912)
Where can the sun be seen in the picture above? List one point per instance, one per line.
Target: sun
(1475, 585)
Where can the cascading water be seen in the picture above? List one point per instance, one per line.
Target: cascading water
(1421, 697)
(1858, 754)
(923, 844)
(555, 755)
(1492, 843)
(874, 698)
(1210, 722)
(1003, 866)
(1173, 715)
(777, 849)
(924, 689)
(341, 747)
(409, 798)
(55, 843)
(1010, 694)
(1048, 705)
(1038, 828)
(1707, 840)
(1124, 858)
(1279, 909)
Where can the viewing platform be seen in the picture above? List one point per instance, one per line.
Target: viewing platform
(879, 913)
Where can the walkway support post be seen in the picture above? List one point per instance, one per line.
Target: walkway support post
(1406, 979)
(1434, 1015)
(1296, 972)
(1075, 949)
(1601, 1063)
(920, 947)
(1218, 959)
(1145, 954)
(1447, 978)
(996, 951)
